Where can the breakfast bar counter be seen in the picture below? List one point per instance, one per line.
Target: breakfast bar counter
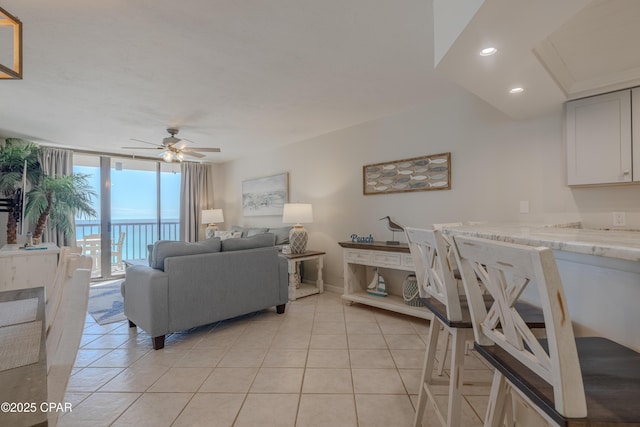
(617, 244)
(600, 271)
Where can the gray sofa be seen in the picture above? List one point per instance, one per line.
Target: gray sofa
(193, 284)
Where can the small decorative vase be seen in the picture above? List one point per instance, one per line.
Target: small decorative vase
(36, 241)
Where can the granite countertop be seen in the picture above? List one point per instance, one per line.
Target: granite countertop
(618, 244)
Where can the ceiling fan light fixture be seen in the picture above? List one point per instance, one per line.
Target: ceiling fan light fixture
(167, 156)
(15, 70)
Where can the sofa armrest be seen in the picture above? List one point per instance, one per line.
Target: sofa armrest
(146, 299)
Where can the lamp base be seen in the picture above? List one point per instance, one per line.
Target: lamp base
(298, 240)
(210, 231)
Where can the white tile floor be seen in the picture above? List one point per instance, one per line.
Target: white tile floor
(322, 363)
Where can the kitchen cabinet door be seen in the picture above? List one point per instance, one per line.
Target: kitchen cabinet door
(598, 139)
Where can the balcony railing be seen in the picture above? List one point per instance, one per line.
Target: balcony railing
(138, 235)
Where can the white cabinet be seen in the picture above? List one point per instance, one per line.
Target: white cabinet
(599, 139)
(359, 261)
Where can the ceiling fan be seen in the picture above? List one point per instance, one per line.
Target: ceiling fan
(174, 149)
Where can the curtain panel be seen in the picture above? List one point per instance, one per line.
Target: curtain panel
(57, 162)
(196, 194)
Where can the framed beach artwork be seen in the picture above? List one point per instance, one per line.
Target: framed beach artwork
(265, 196)
(424, 173)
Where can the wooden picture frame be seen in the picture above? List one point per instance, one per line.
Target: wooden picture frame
(265, 196)
(426, 173)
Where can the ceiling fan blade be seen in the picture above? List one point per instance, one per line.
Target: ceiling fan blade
(146, 142)
(205, 149)
(141, 148)
(192, 154)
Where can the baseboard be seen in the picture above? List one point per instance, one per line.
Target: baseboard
(333, 288)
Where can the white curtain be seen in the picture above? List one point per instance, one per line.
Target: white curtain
(57, 162)
(196, 194)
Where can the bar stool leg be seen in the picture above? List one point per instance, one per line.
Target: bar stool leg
(456, 380)
(444, 346)
(498, 401)
(427, 370)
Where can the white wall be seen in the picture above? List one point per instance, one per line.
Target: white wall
(496, 163)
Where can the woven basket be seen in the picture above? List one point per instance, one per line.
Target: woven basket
(410, 291)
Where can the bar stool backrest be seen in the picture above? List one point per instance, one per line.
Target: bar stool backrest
(434, 270)
(505, 270)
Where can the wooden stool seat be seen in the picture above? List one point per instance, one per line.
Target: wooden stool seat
(610, 373)
(531, 314)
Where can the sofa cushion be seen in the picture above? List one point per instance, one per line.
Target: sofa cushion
(169, 248)
(224, 234)
(282, 235)
(258, 241)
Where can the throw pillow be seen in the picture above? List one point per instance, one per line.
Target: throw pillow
(282, 235)
(240, 229)
(258, 241)
(224, 234)
(169, 248)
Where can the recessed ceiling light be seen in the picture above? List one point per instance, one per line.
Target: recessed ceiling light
(516, 90)
(488, 51)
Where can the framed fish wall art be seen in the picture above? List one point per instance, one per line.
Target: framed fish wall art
(424, 173)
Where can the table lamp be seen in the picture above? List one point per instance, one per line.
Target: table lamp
(297, 213)
(211, 217)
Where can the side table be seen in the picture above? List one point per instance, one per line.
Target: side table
(297, 288)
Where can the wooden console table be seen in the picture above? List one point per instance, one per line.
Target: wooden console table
(297, 288)
(360, 257)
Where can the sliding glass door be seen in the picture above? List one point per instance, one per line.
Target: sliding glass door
(138, 204)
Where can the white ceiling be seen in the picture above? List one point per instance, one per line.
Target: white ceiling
(242, 75)
(249, 75)
(555, 50)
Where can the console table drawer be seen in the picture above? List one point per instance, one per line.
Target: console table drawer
(407, 261)
(358, 257)
(388, 258)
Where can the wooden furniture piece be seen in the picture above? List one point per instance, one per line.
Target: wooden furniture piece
(360, 257)
(66, 310)
(298, 288)
(595, 265)
(439, 292)
(568, 381)
(27, 268)
(24, 381)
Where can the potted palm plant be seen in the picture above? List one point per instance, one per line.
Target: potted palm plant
(58, 199)
(13, 155)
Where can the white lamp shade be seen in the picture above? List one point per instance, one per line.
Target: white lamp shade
(297, 213)
(212, 216)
